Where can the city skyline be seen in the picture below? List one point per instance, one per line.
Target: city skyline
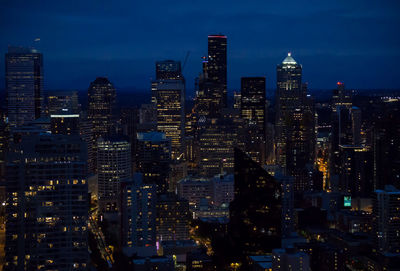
(200, 136)
(354, 39)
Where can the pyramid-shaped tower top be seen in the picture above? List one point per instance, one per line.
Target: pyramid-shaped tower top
(289, 60)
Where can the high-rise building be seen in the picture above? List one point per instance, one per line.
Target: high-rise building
(255, 213)
(172, 217)
(217, 69)
(386, 216)
(217, 137)
(341, 97)
(47, 204)
(129, 123)
(386, 144)
(59, 100)
(254, 114)
(113, 166)
(168, 70)
(153, 159)
(24, 85)
(138, 213)
(288, 98)
(101, 106)
(64, 123)
(295, 125)
(169, 97)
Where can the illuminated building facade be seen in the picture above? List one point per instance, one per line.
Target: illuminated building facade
(289, 259)
(47, 204)
(153, 159)
(138, 213)
(288, 98)
(169, 97)
(217, 138)
(386, 218)
(24, 85)
(101, 106)
(253, 112)
(168, 70)
(64, 123)
(217, 69)
(113, 166)
(59, 100)
(172, 217)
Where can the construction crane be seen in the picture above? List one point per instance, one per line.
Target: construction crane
(184, 61)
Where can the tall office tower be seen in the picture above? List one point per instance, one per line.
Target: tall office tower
(169, 97)
(217, 138)
(24, 85)
(138, 213)
(217, 69)
(288, 99)
(300, 146)
(341, 97)
(288, 218)
(47, 204)
(204, 102)
(168, 70)
(341, 104)
(237, 100)
(4, 138)
(173, 217)
(386, 143)
(386, 217)
(64, 123)
(290, 259)
(129, 122)
(153, 159)
(101, 106)
(356, 170)
(59, 100)
(255, 213)
(86, 133)
(253, 112)
(113, 166)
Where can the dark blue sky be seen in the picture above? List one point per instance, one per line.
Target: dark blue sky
(354, 41)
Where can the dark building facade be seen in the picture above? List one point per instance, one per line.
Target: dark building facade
(217, 68)
(101, 107)
(255, 213)
(47, 204)
(253, 112)
(24, 85)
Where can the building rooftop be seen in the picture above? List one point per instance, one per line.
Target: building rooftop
(289, 60)
(151, 136)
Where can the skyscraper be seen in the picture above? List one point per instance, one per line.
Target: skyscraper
(24, 85)
(256, 211)
(101, 106)
(172, 217)
(59, 100)
(295, 124)
(153, 159)
(169, 97)
(217, 68)
(138, 213)
(168, 70)
(253, 112)
(288, 98)
(64, 123)
(386, 215)
(113, 166)
(47, 204)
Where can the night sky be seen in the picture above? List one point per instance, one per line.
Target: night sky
(354, 41)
